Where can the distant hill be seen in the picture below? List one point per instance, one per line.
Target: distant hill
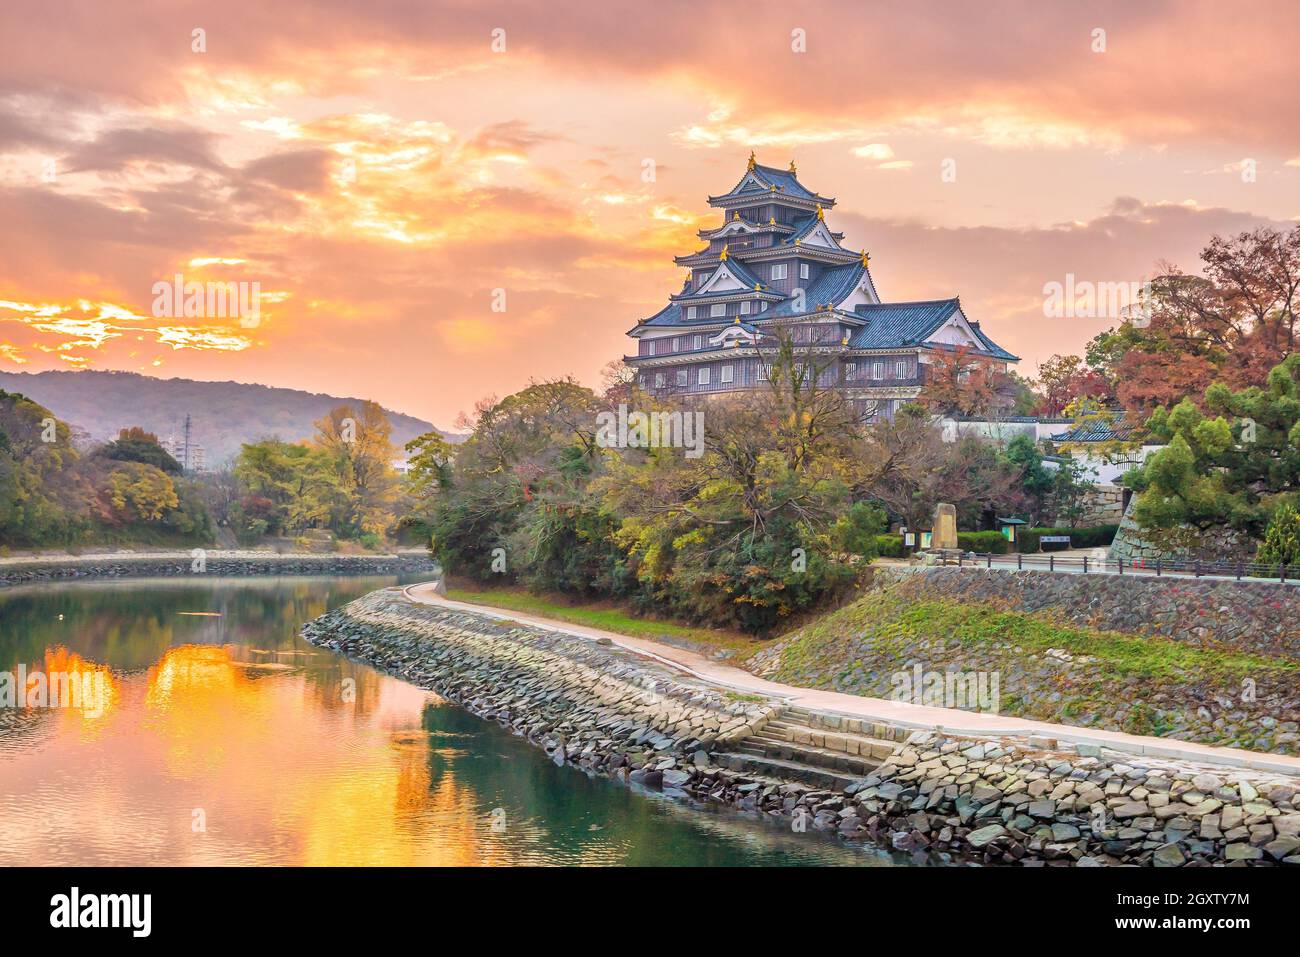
(223, 415)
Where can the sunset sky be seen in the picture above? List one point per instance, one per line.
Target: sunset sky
(380, 169)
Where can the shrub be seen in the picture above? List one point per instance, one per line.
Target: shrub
(856, 531)
(890, 546)
(1281, 545)
(991, 542)
(1099, 536)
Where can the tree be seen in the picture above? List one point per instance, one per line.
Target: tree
(518, 483)
(274, 477)
(1232, 324)
(356, 442)
(1233, 469)
(1281, 544)
(135, 492)
(909, 468)
(1064, 379)
(617, 382)
(137, 445)
(44, 498)
(741, 535)
(1070, 490)
(1037, 481)
(963, 383)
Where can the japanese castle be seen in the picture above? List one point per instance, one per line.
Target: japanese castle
(774, 269)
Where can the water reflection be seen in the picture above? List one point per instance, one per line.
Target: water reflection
(226, 739)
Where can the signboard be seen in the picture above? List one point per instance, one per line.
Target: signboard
(1055, 538)
(909, 539)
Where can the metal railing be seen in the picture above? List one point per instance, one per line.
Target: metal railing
(1158, 567)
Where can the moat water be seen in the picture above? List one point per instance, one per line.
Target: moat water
(219, 737)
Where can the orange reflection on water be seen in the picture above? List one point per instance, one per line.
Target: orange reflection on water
(258, 752)
(208, 752)
(95, 689)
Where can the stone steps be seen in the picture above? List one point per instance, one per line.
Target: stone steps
(810, 748)
(781, 770)
(807, 754)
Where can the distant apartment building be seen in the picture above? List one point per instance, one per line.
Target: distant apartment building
(191, 457)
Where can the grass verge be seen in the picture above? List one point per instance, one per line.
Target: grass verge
(608, 617)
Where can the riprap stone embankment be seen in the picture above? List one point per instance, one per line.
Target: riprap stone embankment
(213, 562)
(956, 799)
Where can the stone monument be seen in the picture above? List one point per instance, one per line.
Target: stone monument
(944, 535)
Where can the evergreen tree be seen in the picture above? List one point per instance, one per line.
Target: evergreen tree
(1281, 545)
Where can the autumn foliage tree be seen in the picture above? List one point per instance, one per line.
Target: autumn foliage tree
(128, 490)
(963, 383)
(1065, 379)
(1232, 324)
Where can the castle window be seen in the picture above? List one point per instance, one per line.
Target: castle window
(659, 380)
(704, 375)
(698, 342)
(850, 369)
(762, 372)
(803, 270)
(650, 348)
(900, 369)
(724, 373)
(877, 370)
(763, 308)
(744, 308)
(718, 309)
(690, 313)
(681, 377)
(779, 271)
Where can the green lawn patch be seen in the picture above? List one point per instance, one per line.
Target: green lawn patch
(606, 616)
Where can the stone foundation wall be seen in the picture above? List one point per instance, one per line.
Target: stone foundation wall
(1103, 505)
(1256, 616)
(1214, 544)
(180, 564)
(607, 711)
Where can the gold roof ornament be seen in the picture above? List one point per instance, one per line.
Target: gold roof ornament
(771, 221)
(724, 254)
(735, 216)
(737, 320)
(865, 258)
(798, 242)
(821, 213)
(752, 161)
(792, 169)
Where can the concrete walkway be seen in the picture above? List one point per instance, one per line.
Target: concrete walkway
(879, 709)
